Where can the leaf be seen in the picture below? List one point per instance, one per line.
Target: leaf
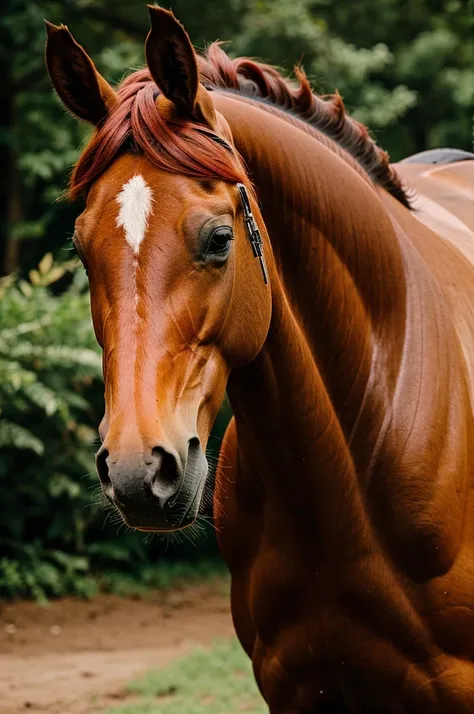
(46, 263)
(55, 274)
(25, 288)
(70, 562)
(13, 435)
(6, 282)
(24, 327)
(84, 357)
(28, 230)
(86, 434)
(35, 277)
(60, 355)
(43, 397)
(60, 484)
(113, 550)
(74, 400)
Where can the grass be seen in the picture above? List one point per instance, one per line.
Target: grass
(215, 681)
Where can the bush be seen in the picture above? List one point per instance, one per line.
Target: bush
(50, 398)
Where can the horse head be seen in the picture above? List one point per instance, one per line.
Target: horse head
(177, 299)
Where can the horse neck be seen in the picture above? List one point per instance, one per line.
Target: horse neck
(329, 365)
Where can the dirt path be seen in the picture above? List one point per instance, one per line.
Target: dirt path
(74, 657)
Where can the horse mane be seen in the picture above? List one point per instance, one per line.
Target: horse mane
(256, 80)
(189, 148)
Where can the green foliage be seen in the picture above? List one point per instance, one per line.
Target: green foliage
(163, 576)
(205, 682)
(50, 377)
(48, 362)
(41, 573)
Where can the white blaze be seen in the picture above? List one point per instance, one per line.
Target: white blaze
(135, 201)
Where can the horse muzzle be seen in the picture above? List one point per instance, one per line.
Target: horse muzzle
(156, 491)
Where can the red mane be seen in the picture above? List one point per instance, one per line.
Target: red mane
(192, 149)
(136, 125)
(328, 115)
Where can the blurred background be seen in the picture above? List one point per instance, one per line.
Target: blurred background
(404, 67)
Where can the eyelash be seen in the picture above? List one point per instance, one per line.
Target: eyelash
(70, 245)
(222, 231)
(73, 247)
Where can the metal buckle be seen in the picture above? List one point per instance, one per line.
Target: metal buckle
(252, 231)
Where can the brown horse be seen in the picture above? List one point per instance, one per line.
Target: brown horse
(344, 496)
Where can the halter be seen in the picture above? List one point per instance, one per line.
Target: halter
(252, 231)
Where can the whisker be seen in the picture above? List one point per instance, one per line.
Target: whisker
(91, 473)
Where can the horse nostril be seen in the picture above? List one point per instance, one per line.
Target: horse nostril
(103, 469)
(194, 454)
(165, 474)
(167, 467)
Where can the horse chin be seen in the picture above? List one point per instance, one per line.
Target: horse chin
(184, 513)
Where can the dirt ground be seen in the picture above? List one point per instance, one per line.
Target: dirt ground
(74, 657)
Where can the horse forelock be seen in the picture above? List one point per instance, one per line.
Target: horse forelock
(327, 114)
(136, 125)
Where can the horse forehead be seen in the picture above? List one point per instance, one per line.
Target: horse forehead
(135, 204)
(138, 203)
(134, 197)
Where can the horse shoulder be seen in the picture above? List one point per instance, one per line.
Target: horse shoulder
(423, 466)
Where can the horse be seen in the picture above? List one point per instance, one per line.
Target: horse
(244, 234)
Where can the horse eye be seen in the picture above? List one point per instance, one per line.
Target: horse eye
(219, 242)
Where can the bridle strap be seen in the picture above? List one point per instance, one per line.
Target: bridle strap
(252, 231)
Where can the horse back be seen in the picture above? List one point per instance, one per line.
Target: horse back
(444, 202)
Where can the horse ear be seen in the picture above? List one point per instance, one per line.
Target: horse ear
(74, 76)
(173, 66)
